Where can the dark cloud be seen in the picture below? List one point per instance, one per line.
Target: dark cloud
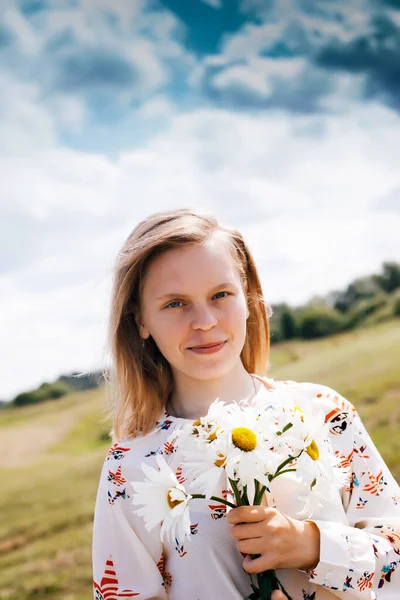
(88, 68)
(376, 55)
(330, 39)
(300, 93)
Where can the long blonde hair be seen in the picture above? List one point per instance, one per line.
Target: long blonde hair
(140, 381)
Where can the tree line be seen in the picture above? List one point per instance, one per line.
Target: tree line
(365, 301)
(65, 384)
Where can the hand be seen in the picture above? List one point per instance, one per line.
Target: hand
(278, 595)
(281, 541)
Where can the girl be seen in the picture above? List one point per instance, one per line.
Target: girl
(189, 324)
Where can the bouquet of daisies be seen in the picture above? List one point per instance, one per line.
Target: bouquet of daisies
(254, 444)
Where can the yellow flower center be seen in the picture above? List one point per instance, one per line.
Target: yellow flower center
(312, 450)
(244, 438)
(298, 409)
(172, 503)
(219, 462)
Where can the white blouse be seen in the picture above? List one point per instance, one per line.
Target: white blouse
(359, 527)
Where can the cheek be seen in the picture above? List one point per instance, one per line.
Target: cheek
(236, 313)
(168, 331)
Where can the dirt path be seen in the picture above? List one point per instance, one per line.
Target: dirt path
(21, 445)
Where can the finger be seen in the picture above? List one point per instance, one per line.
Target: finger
(249, 514)
(278, 595)
(254, 546)
(245, 531)
(256, 565)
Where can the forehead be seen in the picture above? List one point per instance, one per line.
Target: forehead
(190, 268)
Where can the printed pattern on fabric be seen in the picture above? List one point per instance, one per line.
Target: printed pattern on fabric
(360, 540)
(107, 589)
(372, 495)
(167, 577)
(117, 452)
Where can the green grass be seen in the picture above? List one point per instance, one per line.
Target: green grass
(45, 539)
(9, 417)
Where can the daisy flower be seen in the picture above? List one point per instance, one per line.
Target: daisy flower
(317, 467)
(244, 438)
(206, 468)
(164, 500)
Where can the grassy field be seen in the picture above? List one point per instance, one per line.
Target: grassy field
(51, 456)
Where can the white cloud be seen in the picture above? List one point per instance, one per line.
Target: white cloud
(241, 77)
(156, 107)
(70, 111)
(149, 42)
(29, 41)
(258, 75)
(251, 39)
(306, 205)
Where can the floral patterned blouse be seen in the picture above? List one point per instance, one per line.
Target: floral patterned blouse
(359, 526)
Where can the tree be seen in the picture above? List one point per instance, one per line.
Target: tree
(390, 279)
(363, 287)
(288, 323)
(319, 322)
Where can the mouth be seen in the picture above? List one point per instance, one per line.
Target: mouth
(208, 348)
(205, 346)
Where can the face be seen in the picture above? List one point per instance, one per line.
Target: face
(193, 296)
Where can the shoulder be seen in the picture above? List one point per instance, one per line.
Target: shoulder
(338, 410)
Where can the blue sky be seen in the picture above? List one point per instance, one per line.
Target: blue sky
(281, 118)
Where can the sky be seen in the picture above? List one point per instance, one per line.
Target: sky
(280, 117)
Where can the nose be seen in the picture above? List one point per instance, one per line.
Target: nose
(203, 318)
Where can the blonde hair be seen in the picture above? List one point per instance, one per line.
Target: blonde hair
(141, 378)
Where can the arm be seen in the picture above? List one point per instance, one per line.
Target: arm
(362, 560)
(123, 566)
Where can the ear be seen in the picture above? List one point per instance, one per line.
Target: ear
(143, 332)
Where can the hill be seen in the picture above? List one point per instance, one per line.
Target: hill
(51, 455)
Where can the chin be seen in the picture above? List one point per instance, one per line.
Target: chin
(213, 370)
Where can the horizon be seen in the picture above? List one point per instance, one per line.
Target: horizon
(281, 120)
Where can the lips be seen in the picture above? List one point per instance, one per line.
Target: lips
(210, 345)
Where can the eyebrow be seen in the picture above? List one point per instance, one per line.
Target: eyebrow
(180, 295)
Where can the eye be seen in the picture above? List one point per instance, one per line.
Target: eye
(170, 305)
(173, 302)
(222, 293)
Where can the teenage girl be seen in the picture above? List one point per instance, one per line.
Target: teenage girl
(189, 324)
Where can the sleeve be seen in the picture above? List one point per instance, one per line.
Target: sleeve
(127, 560)
(362, 560)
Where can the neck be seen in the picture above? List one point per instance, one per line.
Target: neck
(191, 398)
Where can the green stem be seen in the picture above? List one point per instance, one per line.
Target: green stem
(267, 583)
(226, 502)
(280, 473)
(245, 497)
(285, 462)
(260, 495)
(256, 490)
(265, 586)
(236, 492)
(283, 589)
